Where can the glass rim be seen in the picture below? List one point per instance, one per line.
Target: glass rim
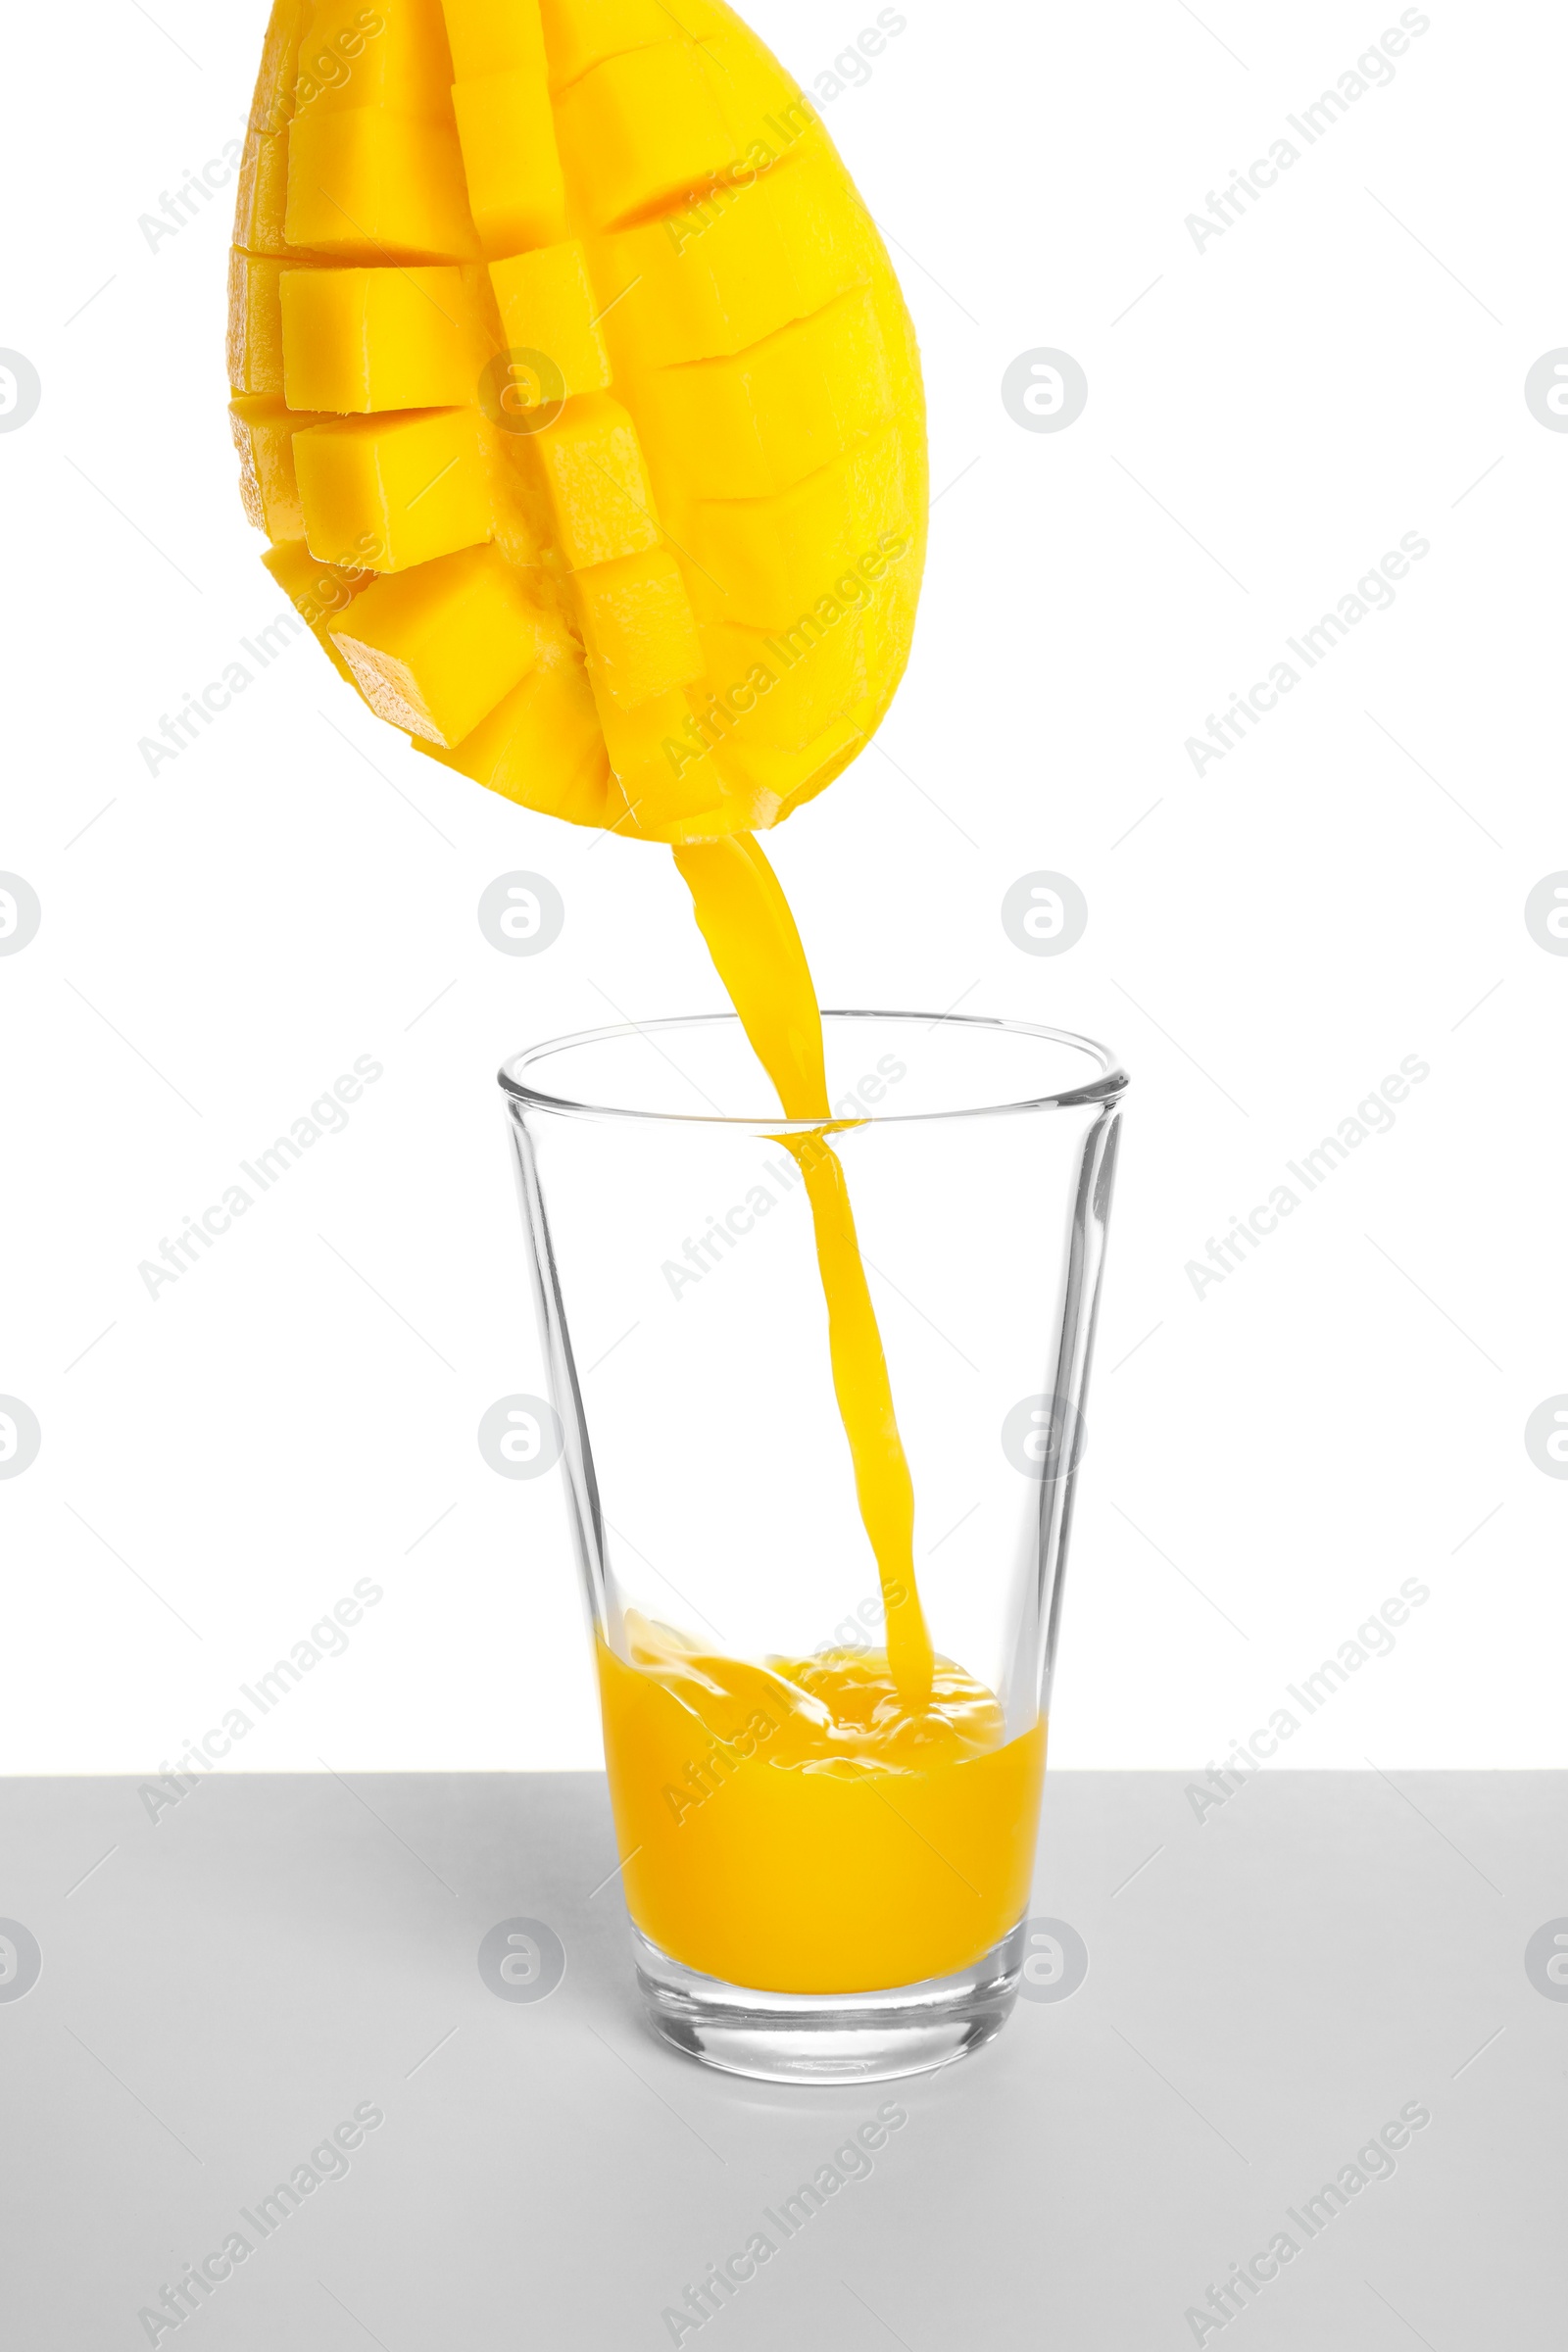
(1112, 1083)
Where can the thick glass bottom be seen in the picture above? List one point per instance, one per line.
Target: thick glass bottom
(829, 2037)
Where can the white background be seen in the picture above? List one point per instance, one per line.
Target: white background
(1342, 367)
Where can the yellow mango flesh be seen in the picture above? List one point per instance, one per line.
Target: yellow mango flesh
(393, 491)
(264, 430)
(583, 283)
(321, 593)
(435, 650)
(361, 340)
(637, 626)
(548, 305)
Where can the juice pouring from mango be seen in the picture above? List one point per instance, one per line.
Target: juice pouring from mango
(859, 1819)
(576, 397)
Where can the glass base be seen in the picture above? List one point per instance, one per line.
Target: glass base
(828, 2037)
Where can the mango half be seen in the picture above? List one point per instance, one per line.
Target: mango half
(574, 390)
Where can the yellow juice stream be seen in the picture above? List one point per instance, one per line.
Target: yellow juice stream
(856, 1819)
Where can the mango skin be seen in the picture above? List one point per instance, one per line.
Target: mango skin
(654, 356)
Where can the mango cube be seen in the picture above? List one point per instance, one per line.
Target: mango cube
(260, 194)
(256, 321)
(393, 491)
(759, 102)
(761, 420)
(581, 33)
(637, 626)
(548, 305)
(783, 689)
(663, 769)
(369, 186)
(598, 483)
(433, 650)
(640, 132)
(485, 39)
(319, 592)
(274, 99)
(541, 745)
(762, 562)
(264, 431)
(357, 340)
(507, 136)
(393, 56)
(715, 277)
(774, 779)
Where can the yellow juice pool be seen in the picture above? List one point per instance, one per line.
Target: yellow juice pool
(794, 1827)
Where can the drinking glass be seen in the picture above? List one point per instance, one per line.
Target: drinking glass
(796, 1917)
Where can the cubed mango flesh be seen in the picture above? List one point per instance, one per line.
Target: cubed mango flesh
(763, 418)
(262, 193)
(638, 629)
(663, 765)
(548, 306)
(361, 340)
(486, 39)
(392, 56)
(393, 491)
(434, 649)
(764, 561)
(275, 97)
(542, 745)
(642, 131)
(264, 430)
(715, 277)
(256, 320)
(598, 483)
(321, 593)
(669, 586)
(580, 34)
(515, 190)
(369, 186)
(783, 690)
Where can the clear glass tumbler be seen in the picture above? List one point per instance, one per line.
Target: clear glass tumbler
(820, 1886)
